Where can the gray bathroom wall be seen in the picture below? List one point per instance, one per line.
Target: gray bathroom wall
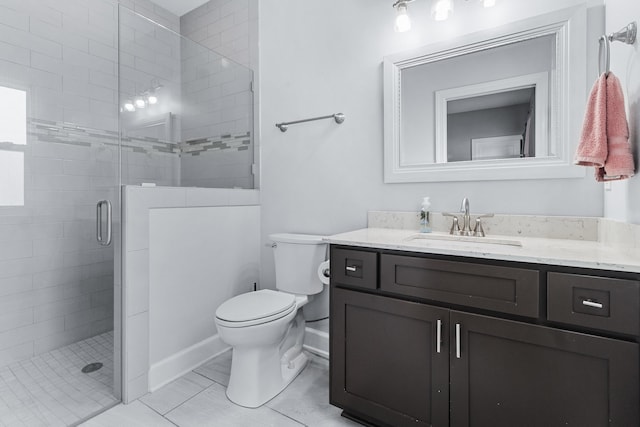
(323, 178)
(56, 282)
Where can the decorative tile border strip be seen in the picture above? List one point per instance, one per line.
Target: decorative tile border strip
(235, 142)
(71, 134)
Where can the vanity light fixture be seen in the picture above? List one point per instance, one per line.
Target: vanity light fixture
(403, 22)
(143, 99)
(128, 106)
(440, 11)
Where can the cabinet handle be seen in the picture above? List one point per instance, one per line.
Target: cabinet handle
(438, 335)
(590, 303)
(457, 340)
(351, 268)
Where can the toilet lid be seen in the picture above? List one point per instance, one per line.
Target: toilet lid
(255, 305)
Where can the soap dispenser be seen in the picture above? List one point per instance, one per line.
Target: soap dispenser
(425, 226)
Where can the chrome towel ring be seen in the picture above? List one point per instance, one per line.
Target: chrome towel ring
(626, 35)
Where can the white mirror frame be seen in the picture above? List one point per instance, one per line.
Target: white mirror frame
(566, 103)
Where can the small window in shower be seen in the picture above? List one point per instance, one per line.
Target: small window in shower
(13, 136)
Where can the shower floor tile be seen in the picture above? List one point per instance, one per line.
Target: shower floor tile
(50, 389)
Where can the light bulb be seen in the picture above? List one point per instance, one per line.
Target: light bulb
(140, 103)
(152, 99)
(488, 3)
(128, 105)
(441, 9)
(403, 22)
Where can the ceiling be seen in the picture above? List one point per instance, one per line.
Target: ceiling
(179, 7)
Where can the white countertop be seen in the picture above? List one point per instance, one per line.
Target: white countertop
(564, 252)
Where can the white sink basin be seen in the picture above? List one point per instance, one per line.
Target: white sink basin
(426, 237)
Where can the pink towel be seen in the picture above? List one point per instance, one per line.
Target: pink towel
(604, 142)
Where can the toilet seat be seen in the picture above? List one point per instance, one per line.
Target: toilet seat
(255, 308)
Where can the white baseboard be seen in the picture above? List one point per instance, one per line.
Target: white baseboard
(316, 342)
(175, 366)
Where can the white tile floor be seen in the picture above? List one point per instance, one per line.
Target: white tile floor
(198, 400)
(50, 389)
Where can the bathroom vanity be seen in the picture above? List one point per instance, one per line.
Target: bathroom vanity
(458, 334)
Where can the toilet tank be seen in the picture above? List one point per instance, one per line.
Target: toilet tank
(297, 257)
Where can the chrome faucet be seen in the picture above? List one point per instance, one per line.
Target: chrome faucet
(465, 230)
(466, 218)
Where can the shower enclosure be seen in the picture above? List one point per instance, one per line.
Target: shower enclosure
(186, 111)
(94, 96)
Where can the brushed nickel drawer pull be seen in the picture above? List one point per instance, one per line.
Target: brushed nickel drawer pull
(438, 336)
(351, 268)
(457, 340)
(590, 303)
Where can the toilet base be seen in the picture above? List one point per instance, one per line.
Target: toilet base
(265, 391)
(259, 373)
(293, 368)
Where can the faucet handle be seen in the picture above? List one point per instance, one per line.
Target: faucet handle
(478, 230)
(485, 216)
(455, 225)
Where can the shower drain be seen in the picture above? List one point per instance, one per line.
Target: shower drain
(92, 367)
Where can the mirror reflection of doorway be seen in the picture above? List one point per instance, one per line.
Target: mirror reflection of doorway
(495, 126)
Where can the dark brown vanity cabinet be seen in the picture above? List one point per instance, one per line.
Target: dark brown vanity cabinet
(402, 357)
(505, 373)
(389, 365)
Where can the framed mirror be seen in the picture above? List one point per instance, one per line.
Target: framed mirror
(504, 103)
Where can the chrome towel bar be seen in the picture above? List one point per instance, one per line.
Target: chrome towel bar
(338, 117)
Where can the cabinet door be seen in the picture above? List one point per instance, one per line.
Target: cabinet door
(386, 364)
(510, 373)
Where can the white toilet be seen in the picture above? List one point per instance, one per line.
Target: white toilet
(266, 328)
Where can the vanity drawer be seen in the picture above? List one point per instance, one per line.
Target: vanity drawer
(594, 302)
(354, 268)
(503, 289)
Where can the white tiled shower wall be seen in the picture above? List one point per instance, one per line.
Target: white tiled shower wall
(218, 90)
(56, 282)
(223, 26)
(150, 55)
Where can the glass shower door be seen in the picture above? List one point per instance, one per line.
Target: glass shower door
(59, 156)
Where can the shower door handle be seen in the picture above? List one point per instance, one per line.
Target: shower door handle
(102, 240)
